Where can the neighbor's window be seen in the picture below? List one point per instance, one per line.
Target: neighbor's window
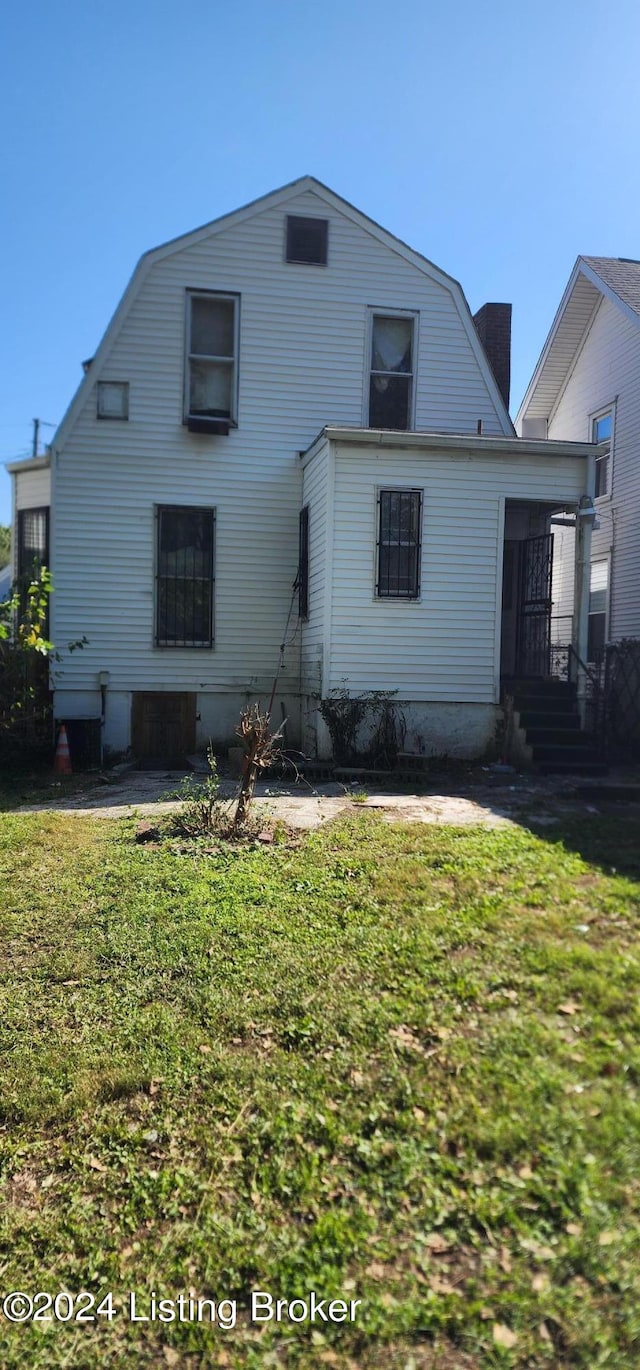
(32, 552)
(184, 578)
(602, 431)
(33, 542)
(303, 564)
(391, 378)
(307, 240)
(113, 400)
(212, 356)
(399, 530)
(598, 591)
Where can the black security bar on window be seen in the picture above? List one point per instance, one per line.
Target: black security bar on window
(184, 577)
(303, 564)
(398, 548)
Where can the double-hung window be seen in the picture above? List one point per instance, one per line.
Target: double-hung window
(598, 595)
(602, 432)
(211, 379)
(392, 371)
(399, 544)
(184, 577)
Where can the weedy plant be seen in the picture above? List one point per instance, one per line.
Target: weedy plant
(201, 811)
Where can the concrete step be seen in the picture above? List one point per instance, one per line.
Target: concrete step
(584, 751)
(552, 704)
(549, 718)
(576, 767)
(549, 735)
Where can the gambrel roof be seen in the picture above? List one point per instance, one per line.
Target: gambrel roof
(592, 279)
(258, 206)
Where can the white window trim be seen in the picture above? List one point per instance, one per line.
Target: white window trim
(382, 311)
(601, 413)
(195, 294)
(397, 599)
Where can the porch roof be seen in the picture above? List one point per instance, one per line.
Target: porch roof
(472, 443)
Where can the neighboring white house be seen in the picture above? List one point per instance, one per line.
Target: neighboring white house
(586, 386)
(292, 386)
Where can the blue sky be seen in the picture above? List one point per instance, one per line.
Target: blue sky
(499, 139)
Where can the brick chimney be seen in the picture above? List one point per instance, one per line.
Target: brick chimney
(493, 325)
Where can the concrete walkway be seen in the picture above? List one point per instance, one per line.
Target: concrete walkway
(488, 800)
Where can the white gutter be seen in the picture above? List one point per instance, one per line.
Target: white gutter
(455, 442)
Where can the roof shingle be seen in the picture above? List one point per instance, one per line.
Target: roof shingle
(622, 275)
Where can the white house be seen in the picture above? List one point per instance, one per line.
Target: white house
(291, 387)
(586, 386)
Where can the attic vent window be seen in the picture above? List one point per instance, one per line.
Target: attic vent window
(113, 400)
(307, 240)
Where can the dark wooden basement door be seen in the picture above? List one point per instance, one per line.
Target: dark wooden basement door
(163, 727)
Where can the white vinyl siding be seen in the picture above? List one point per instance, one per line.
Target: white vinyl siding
(607, 371)
(301, 363)
(442, 647)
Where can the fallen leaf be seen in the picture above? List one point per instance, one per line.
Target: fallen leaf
(525, 1172)
(171, 1357)
(503, 1336)
(376, 1271)
(97, 1165)
(544, 1332)
(539, 1283)
(205, 1052)
(606, 1238)
(406, 1038)
(437, 1243)
(574, 1229)
(570, 1007)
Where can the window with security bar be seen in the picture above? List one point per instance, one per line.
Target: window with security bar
(303, 564)
(184, 577)
(399, 544)
(33, 541)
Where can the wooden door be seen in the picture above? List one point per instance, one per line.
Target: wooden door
(163, 727)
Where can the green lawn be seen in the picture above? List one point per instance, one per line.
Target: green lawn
(393, 1064)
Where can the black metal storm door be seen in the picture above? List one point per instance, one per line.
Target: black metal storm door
(533, 643)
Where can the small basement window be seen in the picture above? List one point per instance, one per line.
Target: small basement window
(212, 361)
(307, 240)
(113, 400)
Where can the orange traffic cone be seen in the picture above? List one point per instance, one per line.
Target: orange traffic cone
(62, 763)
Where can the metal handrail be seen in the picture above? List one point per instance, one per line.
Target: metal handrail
(597, 699)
